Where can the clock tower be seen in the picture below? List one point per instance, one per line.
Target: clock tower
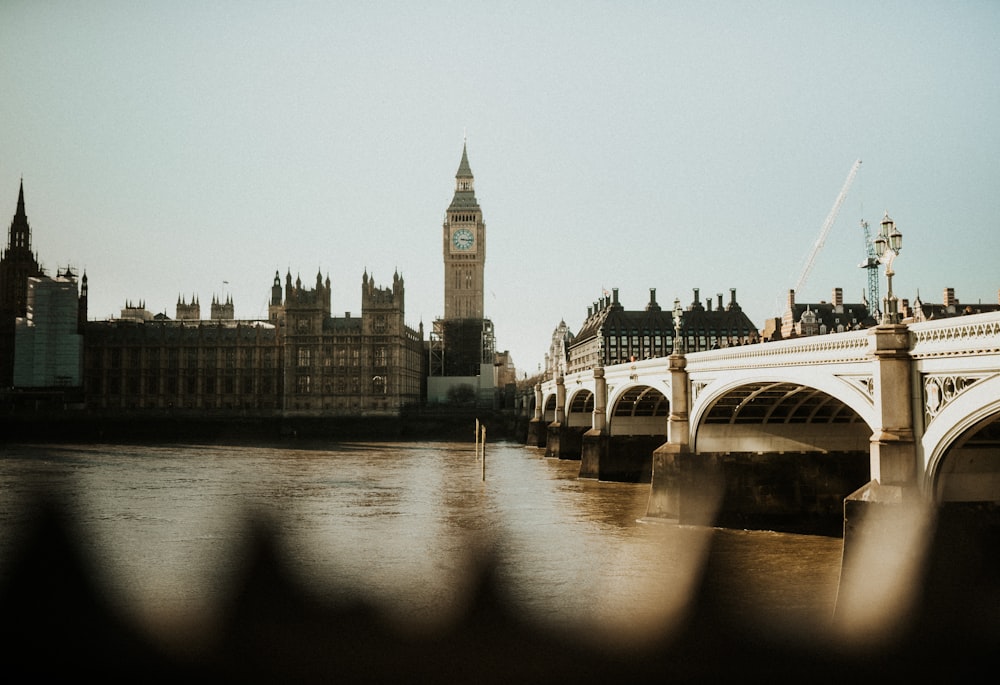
(464, 243)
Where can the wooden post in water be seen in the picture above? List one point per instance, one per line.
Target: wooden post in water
(476, 435)
(484, 453)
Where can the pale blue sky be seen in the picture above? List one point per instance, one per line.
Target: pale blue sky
(169, 147)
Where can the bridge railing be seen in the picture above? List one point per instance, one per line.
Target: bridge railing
(833, 348)
(973, 334)
(614, 373)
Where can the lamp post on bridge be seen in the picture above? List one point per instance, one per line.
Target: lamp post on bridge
(678, 317)
(665, 498)
(894, 460)
(888, 243)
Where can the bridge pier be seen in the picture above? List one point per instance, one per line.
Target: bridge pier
(594, 448)
(619, 458)
(593, 452)
(888, 514)
(669, 459)
(563, 441)
(893, 449)
(537, 432)
(684, 487)
(554, 431)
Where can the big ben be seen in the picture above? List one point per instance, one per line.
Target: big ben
(464, 244)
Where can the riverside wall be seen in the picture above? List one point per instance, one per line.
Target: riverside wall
(84, 426)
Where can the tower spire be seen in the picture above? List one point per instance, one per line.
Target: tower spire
(464, 170)
(20, 232)
(465, 184)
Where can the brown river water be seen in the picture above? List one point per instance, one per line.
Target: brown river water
(401, 525)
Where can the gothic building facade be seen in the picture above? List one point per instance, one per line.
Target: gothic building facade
(371, 364)
(302, 362)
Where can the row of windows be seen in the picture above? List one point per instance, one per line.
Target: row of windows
(342, 357)
(154, 357)
(623, 349)
(172, 385)
(304, 385)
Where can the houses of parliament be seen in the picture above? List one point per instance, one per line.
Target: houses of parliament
(301, 361)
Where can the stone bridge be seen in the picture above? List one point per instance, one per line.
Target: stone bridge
(903, 410)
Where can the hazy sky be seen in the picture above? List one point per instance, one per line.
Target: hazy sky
(176, 148)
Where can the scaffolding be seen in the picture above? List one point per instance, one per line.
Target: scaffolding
(460, 347)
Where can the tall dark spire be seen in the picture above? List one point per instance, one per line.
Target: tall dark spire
(19, 237)
(17, 265)
(20, 200)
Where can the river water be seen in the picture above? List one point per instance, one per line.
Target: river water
(402, 525)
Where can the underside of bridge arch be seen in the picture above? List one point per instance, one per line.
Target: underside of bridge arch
(969, 470)
(788, 454)
(780, 417)
(549, 409)
(640, 410)
(580, 412)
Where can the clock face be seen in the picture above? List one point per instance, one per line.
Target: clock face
(463, 239)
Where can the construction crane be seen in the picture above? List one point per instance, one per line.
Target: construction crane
(871, 263)
(831, 217)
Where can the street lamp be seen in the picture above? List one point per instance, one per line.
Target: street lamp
(888, 243)
(678, 316)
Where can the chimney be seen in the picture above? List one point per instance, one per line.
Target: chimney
(614, 295)
(696, 300)
(719, 295)
(708, 303)
(949, 297)
(652, 306)
(838, 298)
(791, 300)
(732, 298)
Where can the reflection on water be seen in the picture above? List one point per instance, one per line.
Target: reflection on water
(401, 524)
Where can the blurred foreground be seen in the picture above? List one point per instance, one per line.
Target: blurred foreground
(58, 623)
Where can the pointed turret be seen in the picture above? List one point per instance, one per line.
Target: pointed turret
(276, 290)
(81, 311)
(19, 237)
(17, 265)
(464, 170)
(465, 185)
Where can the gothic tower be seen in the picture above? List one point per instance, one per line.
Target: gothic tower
(464, 243)
(462, 342)
(275, 309)
(17, 265)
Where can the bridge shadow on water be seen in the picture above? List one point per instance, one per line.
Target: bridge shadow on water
(57, 622)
